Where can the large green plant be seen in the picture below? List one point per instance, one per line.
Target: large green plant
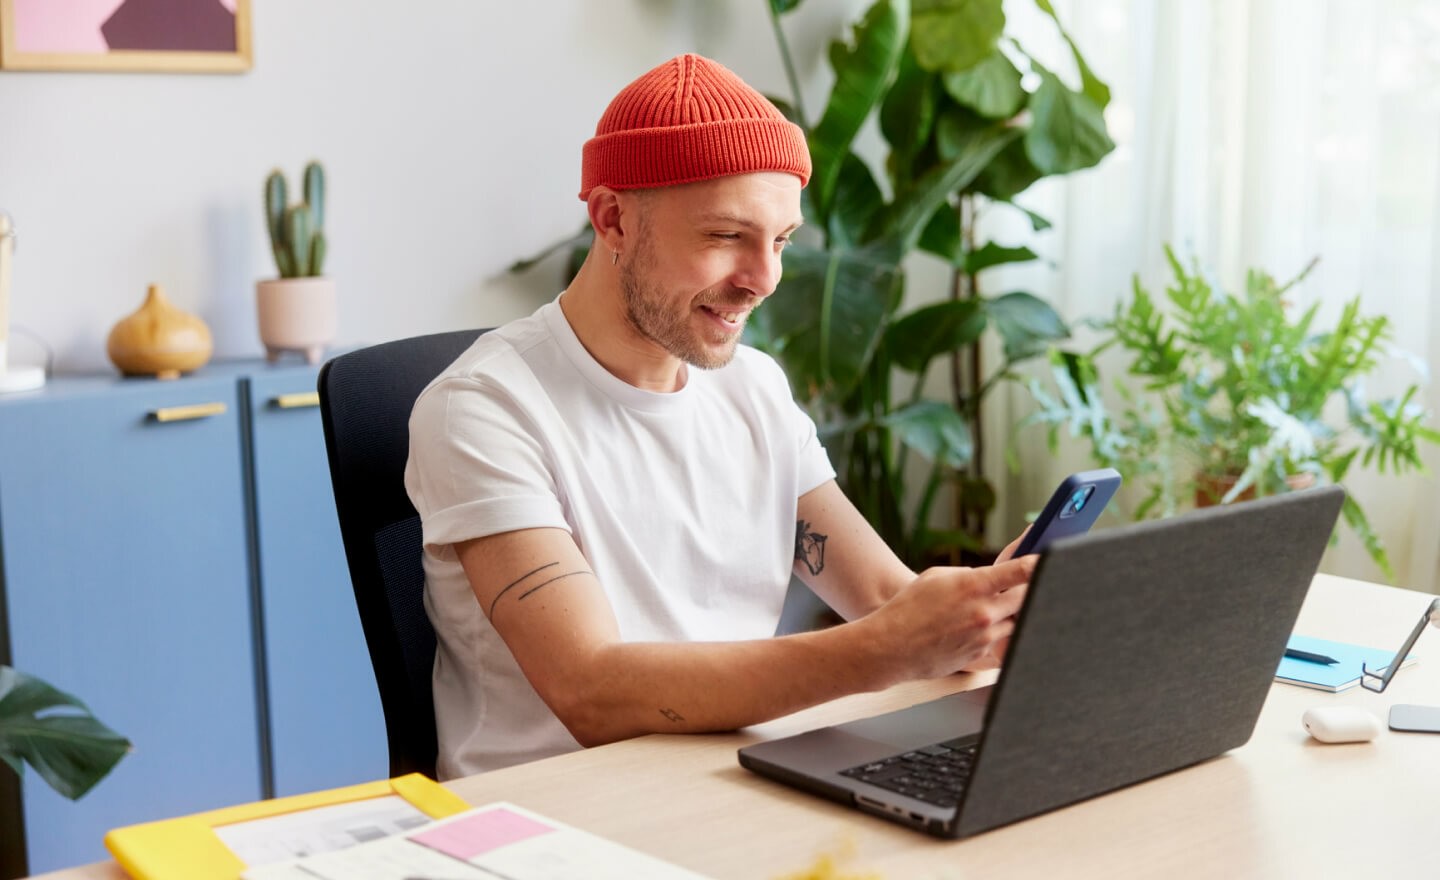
(1238, 394)
(965, 130)
(54, 733)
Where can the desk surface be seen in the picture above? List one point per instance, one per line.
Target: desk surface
(1282, 805)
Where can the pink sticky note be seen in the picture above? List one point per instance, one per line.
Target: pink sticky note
(478, 834)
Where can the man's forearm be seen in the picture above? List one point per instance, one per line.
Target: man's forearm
(630, 689)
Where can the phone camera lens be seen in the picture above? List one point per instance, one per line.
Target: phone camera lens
(1078, 499)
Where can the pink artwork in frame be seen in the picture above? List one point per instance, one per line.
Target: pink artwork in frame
(135, 35)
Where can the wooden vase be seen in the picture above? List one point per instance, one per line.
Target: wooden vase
(159, 340)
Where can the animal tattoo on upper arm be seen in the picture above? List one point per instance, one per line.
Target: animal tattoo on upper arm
(809, 547)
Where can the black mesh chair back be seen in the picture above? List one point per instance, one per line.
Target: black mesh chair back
(365, 402)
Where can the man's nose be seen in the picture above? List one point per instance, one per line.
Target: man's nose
(760, 272)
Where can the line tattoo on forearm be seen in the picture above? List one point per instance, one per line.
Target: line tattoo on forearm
(672, 715)
(809, 547)
(526, 576)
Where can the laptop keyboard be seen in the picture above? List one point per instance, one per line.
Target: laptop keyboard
(935, 774)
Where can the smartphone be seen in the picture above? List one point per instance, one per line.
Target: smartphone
(1072, 509)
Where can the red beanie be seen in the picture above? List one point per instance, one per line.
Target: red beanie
(689, 119)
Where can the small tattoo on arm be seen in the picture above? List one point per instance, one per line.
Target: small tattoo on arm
(809, 547)
(672, 715)
(526, 576)
(526, 594)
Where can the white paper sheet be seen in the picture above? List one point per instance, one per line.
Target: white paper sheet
(499, 840)
(319, 830)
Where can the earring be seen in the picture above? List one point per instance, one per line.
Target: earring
(614, 258)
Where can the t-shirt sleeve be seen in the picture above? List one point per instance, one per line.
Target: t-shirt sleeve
(813, 467)
(474, 469)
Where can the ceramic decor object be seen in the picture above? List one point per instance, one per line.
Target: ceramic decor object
(296, 314)
(159, 340)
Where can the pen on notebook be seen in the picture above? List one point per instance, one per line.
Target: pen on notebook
(1297, 654)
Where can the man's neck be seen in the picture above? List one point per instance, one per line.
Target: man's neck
(594, 307)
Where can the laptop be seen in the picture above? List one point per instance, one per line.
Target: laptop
(1140, 650)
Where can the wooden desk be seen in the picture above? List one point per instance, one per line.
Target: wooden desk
(1280, 806)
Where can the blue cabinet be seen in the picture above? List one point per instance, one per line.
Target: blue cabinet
(325, 724)
(126, 583)
(169, 554)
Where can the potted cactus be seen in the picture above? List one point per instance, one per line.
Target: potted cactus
(296, 310)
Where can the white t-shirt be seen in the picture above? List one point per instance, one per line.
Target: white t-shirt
(683, 503)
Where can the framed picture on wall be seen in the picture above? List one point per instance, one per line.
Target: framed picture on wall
(181, 36)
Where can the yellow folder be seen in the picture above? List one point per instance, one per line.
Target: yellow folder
(186, 848)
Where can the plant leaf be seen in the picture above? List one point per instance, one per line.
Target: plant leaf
(941, 235)
(1067, 130)
(828, 316)
(990, 88)
(1037, 222)
(992, 254)
(862, 73)
(955, 34)
(907, 116)
(857, 201)
(1026, 323)
(933, 429)
(1090, 84)
(912, 210)
(56, 734)
(781, 7)
(581, 239)
(914, 340)
(1008, 175)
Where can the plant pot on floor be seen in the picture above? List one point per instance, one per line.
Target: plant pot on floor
(1210, 489)
(296, 314)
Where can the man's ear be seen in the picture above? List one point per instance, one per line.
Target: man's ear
(612, 215)
(604, 209)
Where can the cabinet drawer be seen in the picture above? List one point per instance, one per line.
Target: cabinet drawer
(126, 580)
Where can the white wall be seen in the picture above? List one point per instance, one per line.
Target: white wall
(450, 131)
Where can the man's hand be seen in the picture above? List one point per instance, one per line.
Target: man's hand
(949, 619)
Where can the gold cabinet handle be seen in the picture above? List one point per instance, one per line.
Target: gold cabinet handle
(296, 400)
(187, 412)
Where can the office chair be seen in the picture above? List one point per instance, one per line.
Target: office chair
(365, 402)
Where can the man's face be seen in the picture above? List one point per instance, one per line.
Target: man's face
(706, 255)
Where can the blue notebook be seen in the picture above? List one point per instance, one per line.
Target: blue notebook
(1336, 676)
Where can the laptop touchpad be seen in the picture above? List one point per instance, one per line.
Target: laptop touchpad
(931, 722)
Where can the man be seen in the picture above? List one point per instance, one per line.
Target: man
(614, 492)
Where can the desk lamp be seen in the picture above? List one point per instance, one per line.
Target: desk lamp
(1423, 719)
(11, 378)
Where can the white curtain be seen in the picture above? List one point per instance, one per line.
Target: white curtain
(1251, 134)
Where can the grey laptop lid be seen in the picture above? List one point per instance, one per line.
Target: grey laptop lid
(1140, 650)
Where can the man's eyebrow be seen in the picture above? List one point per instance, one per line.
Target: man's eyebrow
(729, 219)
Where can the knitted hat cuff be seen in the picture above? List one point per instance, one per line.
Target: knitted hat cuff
(687, 153)
(686, 120)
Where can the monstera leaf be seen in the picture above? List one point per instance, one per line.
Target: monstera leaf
(54, 733)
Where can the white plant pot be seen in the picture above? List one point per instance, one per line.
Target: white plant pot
(296, 314)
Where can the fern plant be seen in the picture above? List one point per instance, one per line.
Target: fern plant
(1235, 391)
